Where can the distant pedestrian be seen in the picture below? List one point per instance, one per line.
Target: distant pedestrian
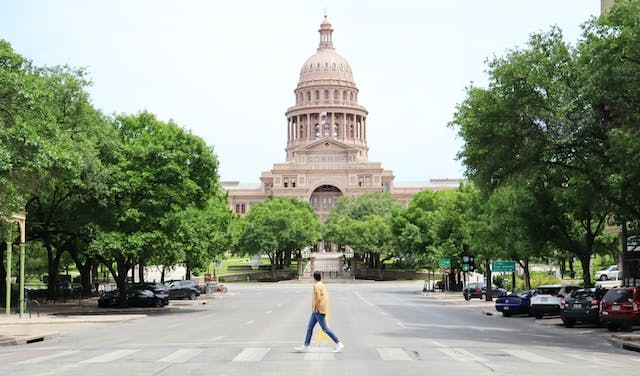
(319, 310)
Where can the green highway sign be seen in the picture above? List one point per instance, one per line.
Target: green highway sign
(503, 266)
(444, 263)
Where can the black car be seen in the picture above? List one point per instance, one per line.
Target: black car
(582, 305)
(136, 296)
(182, 289)
(479, 290)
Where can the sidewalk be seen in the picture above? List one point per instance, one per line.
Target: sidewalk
(626, 341)
(58, 318)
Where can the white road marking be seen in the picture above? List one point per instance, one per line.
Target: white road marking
(250, 322)
(251, 354)
(216, 338)
(108, 357)
(401, 324)
(319, 356)
(180, 356)
(268, 312)
(438, 344)
(47, 357)
(175, 325)
(595, 360)
(453, 354)
(530, 357)
(364, 300)
(469, 355)
(393, 353)
(482, 329)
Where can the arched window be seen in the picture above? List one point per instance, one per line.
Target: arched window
(344, 96)
(301, 131)
(326, 132)
(336, 94)
(336, 130)
(309, 96)
(326, 95)
(351, 97)
(351, 131)
(317, 130)
(317, 95)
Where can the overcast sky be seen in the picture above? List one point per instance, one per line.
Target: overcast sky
(226, 70)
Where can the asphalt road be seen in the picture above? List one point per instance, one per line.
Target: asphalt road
(387, 329)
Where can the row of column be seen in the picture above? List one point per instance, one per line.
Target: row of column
(301, 128)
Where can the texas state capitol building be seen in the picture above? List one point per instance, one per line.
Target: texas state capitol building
(327, 152)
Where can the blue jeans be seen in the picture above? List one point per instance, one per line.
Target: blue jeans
(320, 319)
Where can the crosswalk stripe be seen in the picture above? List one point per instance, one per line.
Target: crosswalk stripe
(319, 356)
(469, 355)
(453, 354)
(48, 357)
(393, 353)
(595, 360)
(251, 354)
(105, 358)
(180, 356)
(530, 357)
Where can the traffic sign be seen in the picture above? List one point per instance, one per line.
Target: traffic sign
(444, 263)
(503, 266)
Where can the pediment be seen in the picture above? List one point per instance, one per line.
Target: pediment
(325, 145)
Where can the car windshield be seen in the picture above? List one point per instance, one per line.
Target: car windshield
(547, 290)
(583, 295)
(524, 294)
(619, 295)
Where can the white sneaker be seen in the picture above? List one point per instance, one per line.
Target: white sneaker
(339, 346)
(301, 349)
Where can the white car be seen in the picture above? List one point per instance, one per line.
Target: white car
(547, 299)
(608, 273)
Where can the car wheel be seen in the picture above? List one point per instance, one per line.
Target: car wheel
(192, 296)
(603, 277)
(467, 297)
(157, 303)
(568, 323)
(506, 314)
(483, 296)
(613, 327)
(539, 315)
(224, 289)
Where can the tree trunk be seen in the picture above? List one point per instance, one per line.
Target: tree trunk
(53, 267)
(162, 274)
(3, 274)
(585, 260)
(527, 274)
(187, 272)
(120, 276)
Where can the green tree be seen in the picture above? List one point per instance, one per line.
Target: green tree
(533, 124)
(276, 226)
(158, 170)
(347, 225)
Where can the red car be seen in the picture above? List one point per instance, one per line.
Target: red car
(620, 308)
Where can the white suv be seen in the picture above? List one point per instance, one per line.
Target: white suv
(546, 299)
(609, 273)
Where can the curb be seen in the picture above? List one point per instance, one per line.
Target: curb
(26, 339)
(625, 345)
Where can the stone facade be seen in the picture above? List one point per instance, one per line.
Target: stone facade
(327, 152)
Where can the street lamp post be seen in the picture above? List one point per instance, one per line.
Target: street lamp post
(21, 218)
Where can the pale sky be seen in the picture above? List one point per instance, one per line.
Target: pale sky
(226, 70)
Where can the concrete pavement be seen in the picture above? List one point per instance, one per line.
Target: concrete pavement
(51, 320)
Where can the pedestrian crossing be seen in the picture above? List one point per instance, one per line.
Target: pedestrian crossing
(438, 353)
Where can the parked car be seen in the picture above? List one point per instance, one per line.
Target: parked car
(153, 286)
(136, 296)
(612, 272)
(620, 308)
(479, 290)
(582, 305)
(546, 299)
(183, 289)
(514, 303)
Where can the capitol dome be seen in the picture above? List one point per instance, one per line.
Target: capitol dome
(326, 63)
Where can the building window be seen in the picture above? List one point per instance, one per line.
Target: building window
(336, 130)
(289, 181)
(309, 96)
(364, 180)
(326, 95)
(240, 208)
(336, 94)
(317, 95)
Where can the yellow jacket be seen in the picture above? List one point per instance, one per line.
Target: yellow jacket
(320, 301)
